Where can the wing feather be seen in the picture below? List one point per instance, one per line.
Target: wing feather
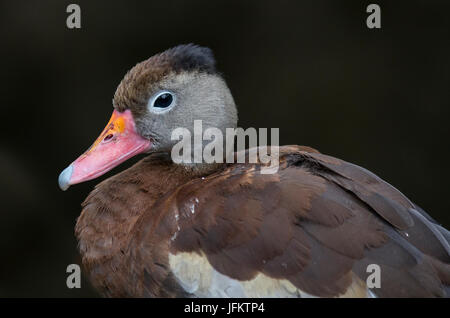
(316, 223)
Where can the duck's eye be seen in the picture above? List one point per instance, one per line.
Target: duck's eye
(162, 101)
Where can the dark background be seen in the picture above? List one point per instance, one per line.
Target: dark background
(378, 98)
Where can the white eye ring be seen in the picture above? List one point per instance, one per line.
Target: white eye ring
(161, 108)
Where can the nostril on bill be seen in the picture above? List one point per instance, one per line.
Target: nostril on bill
(108, 137)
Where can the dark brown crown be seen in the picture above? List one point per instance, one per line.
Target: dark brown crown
(133, 89)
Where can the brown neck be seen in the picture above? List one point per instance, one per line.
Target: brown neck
(113, 207)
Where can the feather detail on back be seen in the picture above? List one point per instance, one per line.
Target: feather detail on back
(311, 229)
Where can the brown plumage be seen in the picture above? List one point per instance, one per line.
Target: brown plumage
(160, 229)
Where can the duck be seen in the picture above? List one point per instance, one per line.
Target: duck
(316, 227)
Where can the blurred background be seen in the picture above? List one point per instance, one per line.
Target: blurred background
(377, 98)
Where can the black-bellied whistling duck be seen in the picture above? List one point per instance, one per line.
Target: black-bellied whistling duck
(162, 229)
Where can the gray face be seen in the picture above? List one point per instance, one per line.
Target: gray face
(195, 96)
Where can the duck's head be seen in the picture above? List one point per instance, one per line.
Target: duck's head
(165, 92)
